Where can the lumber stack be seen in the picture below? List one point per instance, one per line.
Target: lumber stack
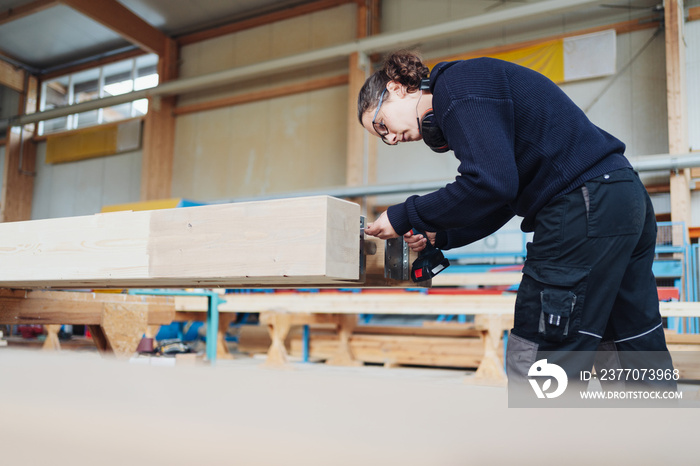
(338, 340)
(454, 345)
(684, 348)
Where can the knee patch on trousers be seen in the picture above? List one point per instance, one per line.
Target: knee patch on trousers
(521, 354)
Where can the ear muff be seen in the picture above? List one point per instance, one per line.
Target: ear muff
(431, 132)
(428, 128)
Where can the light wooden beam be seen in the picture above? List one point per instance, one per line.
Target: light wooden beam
(285, 242)
(93, 64)
(397, 302)
(677, 110)
(123, 21)
(12, 14)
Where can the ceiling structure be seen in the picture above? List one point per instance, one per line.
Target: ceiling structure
(43, 36)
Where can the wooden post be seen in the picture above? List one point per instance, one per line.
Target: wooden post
(159, 134)
(677, 113)
(356, 166)
(18, 177)
(20, 161)
(361, 159)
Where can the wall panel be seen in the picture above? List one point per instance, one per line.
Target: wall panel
(279, 145)
(82, 188)
(291, 143)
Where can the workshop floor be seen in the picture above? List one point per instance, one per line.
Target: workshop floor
(75, 408)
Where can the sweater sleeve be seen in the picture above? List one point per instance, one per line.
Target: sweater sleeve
(481, 133)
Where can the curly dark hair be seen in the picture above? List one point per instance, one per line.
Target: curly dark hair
(403, 66)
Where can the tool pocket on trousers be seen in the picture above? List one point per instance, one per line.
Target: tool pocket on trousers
(557, 293)
(557, 309)
(615, 204)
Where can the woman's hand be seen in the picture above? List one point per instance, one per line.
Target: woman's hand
(418, 242)
(381, 228)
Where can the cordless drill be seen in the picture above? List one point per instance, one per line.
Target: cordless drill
(429, 263)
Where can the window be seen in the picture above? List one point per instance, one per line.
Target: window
(108, 80)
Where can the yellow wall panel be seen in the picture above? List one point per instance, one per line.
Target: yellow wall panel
(85, 144)
(96, 141)
(546, 58)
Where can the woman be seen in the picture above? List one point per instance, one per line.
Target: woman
(526, 149)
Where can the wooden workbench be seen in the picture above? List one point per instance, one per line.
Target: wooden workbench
(116, 321)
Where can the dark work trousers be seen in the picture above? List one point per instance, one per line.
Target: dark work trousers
(588, 280)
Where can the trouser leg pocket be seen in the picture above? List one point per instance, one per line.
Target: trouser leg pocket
(550, 301)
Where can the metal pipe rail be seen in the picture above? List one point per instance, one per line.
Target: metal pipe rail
(657, 162)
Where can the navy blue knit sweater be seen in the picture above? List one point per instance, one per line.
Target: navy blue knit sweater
(520, 142)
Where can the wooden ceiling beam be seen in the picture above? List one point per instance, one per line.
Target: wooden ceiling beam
(694, 13)
(93, 64)
(11, 76)
(12, 14)
(123, 21)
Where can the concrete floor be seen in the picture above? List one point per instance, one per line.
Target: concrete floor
(75, 408)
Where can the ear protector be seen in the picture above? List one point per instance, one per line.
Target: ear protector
(428, 128)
